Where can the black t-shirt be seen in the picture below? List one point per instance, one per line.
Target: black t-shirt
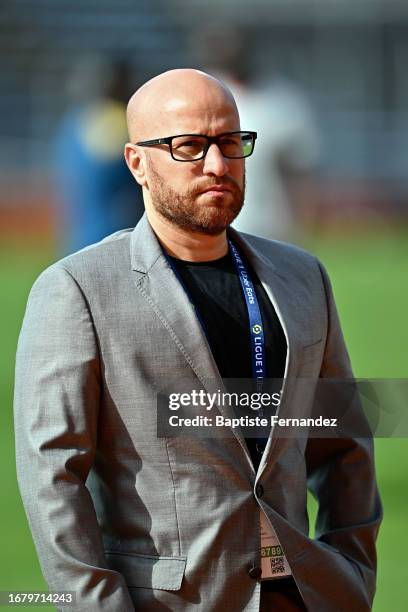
(215, 290)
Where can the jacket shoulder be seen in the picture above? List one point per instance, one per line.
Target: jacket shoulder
(281, 253)
(93, 261)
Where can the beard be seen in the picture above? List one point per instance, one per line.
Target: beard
(186, 212)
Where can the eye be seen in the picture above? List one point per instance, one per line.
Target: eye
(188, 147)
(231, 145)
(231, 140)
(188, 143)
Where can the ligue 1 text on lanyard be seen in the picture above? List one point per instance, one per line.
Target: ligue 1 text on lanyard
(255, 319)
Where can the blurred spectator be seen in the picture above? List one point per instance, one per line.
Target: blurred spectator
(96, 194)
(280, 189)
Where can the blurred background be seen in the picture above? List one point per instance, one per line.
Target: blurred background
(325, 85)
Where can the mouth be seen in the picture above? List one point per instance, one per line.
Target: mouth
(220, 189)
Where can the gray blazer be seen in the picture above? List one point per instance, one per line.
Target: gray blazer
(128, 520)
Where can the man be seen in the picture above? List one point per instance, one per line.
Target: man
(125, 518)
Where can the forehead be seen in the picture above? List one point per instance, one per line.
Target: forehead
(205, 115)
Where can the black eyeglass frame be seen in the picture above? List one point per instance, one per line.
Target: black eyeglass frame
(210, 140)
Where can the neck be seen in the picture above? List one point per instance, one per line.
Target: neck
(185, 245)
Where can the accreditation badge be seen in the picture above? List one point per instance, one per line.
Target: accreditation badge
(273, 561)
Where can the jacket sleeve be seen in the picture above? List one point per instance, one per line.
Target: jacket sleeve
(56, 401)
(341, 476)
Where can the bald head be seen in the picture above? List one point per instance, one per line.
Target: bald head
(206, 194)
(167, 99)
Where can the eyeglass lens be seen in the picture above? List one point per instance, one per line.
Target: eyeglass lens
(186, 148)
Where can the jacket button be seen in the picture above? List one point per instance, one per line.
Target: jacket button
(259, 490)
(255, 572)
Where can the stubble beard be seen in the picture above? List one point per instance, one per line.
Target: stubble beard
(186, 212)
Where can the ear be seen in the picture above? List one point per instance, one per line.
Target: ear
(136, 163)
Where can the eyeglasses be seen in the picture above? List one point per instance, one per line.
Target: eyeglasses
(192, 147)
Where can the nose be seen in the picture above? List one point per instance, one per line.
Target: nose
(214, 162)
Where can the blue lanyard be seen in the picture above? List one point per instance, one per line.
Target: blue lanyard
(255, 319)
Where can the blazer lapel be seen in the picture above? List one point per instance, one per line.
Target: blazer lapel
(160, 286)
